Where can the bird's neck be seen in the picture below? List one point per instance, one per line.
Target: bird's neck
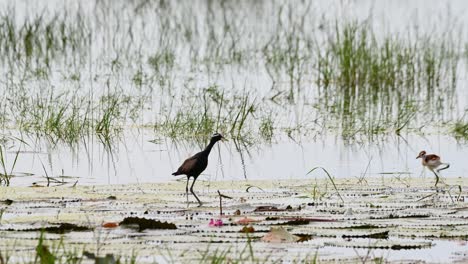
(208, 148)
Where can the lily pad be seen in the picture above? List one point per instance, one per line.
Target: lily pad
(280, 235)
(59, 229)
(379, 235)
(144, 223)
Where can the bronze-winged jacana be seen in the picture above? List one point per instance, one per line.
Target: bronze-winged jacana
(432, 162)
(195, 165)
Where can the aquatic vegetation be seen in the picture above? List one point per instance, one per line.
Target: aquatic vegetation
(163, 62)
(372, 85)
(331, 178)
(144, 223)
(266, 129)
(460, 130)
(70, 118)
(7, 170)
(42, 40)
(325, 221)
(360, 83)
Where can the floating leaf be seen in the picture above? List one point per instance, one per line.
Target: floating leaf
(246, 221)
(279, 235)
(247, 229)
(144, 223)
(380, 235)
(266, 209)
(7, 202)
(60, 229)
(110, 225)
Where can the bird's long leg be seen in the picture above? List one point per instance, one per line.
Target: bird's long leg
(446, 167)
(191, 190)
(437, 177)
(186, 190)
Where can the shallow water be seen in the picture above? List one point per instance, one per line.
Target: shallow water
(138, 159)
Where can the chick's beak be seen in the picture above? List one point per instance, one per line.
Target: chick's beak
(418, 157)
(223, 139)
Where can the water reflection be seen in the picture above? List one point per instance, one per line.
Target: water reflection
(140, 159)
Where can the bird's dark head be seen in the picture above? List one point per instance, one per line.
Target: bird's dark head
(217, 137)
(421, 154)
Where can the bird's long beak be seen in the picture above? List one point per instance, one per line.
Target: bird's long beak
(418, 157)
(224, 139)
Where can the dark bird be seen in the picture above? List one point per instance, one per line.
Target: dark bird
(195, 165)
(432, 162)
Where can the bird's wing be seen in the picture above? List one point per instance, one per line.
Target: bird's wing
(433, 161)
(187, 165)
(432, 157)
